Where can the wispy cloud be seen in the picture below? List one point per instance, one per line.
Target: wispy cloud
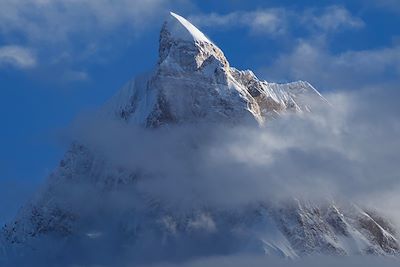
(331, 18)
(278, 21)
(329, 149)
(17, 57)
(76, 28)
(55, 21)
(349, 150)
(271, 21)
(311, 60)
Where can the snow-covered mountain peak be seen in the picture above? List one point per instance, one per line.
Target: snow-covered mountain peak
(182, 29)
(193, 82)
(183, 47)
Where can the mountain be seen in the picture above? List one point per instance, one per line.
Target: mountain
(193, 81)
(91, 206)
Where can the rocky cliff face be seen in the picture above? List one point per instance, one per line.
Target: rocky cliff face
(193, 82)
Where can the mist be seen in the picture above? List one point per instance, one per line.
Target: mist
(345, 150)
(262, 261)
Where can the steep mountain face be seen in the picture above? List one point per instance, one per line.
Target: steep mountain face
(192, 83)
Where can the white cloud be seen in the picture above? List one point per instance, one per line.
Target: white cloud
(17, 56)
(68, 33)
(57, 20)
(342, 151)
(278, 21)
(311, 60)
(270, 21)
(350, 148)
(331, 18)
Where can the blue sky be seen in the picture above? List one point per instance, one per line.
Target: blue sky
(59, 59)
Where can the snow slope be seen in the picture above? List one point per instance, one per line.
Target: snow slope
(188, 31)
(193, 81)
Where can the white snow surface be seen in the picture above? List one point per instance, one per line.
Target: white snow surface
(184, 30)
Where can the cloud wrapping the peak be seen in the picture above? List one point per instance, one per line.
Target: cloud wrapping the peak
(348, 150)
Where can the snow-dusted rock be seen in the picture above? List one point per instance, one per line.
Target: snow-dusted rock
(193, 81)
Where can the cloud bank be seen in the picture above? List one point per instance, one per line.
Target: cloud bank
(348, 150)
